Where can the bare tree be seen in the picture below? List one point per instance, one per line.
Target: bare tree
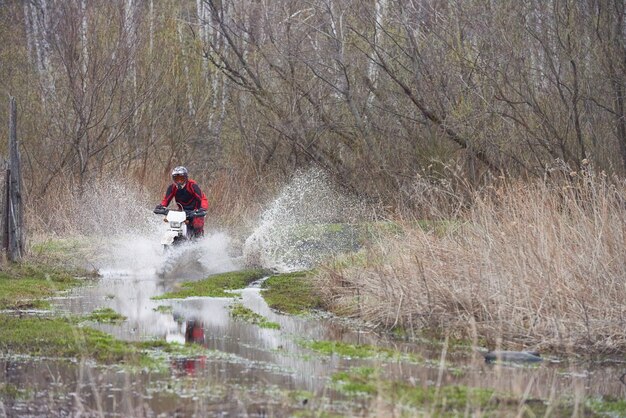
(380, 93)
(94, 112)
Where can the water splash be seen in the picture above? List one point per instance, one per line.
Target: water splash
(114, 208)
(308, 221)
(119, 222)
(208, 255)
(144, 255)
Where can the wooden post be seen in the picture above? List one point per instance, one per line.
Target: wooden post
(4, 199)
(13, 217)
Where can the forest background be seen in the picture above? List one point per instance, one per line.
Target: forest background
(382, 94)
(432, 109)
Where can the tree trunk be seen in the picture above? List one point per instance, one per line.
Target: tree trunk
(13, 213)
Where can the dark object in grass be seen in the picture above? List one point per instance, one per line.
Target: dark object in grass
(512, 356)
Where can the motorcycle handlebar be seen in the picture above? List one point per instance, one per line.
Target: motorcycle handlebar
(161, 211)
(198, 213)
(190, 213)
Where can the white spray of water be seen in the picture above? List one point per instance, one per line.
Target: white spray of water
(309, 221)
(126, 233)
(144, 255)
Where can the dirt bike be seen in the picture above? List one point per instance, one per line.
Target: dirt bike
(179, 229)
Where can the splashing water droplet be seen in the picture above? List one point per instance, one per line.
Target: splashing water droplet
(308, 221)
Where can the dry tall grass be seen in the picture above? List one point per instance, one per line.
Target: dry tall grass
(530, 265)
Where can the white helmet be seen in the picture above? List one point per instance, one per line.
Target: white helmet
(180, 175)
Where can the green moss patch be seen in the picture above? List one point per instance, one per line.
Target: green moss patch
(57, 337)
(106, 315)
(216, 285)
(66, 338)
(239, 311)
(23, 285)
(346, 350)
(358, 380)
(357, 351)
(164, 309)
(292, 293)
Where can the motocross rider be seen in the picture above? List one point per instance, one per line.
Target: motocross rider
(188, 195)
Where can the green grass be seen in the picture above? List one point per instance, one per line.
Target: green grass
(60, 337)
(342, 349)
(216, 285)
(347, 350)
(65, 338)
(291, 293)
(105, 315)
(444, 399)
(23, 285)
(239, 311)
(358, 380)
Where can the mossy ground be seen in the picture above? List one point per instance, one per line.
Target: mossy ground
(363, 351)
(68, 338)
(106, 315)
(291, 293)
(23, 285)
(347, 350)
(239, 311)
(10, 391)
(60, 337)
(216, 285)
(164, 309)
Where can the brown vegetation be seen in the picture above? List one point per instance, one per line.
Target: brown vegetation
(535, 265)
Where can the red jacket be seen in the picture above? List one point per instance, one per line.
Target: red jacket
(189, 197)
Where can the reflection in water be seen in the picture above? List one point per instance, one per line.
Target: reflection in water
(247, 370)
(194, 334)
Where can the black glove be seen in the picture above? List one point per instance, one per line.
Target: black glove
(197, 213)
(160, 210)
